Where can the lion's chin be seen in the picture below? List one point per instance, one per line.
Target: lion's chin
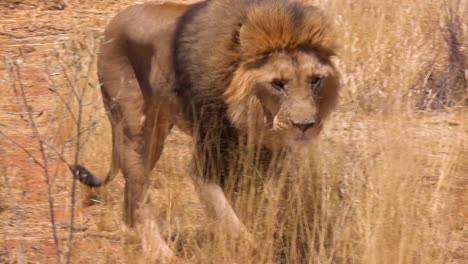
(280, 139)
(300, 142)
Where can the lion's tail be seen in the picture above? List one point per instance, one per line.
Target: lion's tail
(88, 178)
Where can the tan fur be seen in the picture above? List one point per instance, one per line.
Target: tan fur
(210, 69)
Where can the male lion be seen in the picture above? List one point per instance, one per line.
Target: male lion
(234, 74)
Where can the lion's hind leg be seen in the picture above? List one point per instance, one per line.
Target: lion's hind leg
(142, 147)
(142, 131)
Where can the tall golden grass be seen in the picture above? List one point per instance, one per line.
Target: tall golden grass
(386, 182)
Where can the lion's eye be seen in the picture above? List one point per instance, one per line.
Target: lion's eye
(278, 84)
(316, 83)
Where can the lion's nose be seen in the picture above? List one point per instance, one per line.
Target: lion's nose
(303, 126)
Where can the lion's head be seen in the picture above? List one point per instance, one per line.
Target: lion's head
(286, 84)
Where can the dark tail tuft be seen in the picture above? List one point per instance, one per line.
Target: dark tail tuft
(85, 176)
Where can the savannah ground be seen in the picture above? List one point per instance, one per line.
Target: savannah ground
(386, 182)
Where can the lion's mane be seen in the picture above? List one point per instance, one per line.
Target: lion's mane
(214, 47)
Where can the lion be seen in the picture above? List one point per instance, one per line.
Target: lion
(230, 73)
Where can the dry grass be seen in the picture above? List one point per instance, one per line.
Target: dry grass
(387, 181)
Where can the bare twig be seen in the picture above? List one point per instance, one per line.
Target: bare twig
(59, 155)
(79, 95)
(55, 90)
(45, 163)
(30, 155)
(84, 130)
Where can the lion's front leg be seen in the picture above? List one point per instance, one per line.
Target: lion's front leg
(219, 209)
